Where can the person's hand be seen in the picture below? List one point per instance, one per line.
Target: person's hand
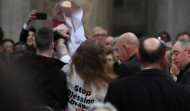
(31, 17)
(63, 30)
(174, 69)
(66, 7)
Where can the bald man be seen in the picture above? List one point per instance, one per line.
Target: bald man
(127, 47)
(150, 89)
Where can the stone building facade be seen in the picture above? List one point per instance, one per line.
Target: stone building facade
(143, 17)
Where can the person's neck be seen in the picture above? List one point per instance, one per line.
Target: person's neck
(133, 52)
(129, 56)
(47, 53)
(152, 66)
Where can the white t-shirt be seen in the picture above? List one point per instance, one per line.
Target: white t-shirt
(80, 98)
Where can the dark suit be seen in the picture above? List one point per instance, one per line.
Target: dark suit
(45, 83)
(23, 35)
(184, 76)
(128, 68)
(149, 90)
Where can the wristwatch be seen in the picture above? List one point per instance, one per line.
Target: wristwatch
(54, 29)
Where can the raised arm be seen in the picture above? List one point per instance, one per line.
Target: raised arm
(61, 48)
(24, 31)
(63, 54)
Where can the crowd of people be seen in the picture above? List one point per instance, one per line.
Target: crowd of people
(59, 69)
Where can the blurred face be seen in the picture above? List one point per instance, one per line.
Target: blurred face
(30, 38)
(179, 55)
(108, 42)
(165, 38)
(116, 57)
(120, 50)
(110, 59)
(100, 36)
(8, 46)
(185, 36)
(174, 69)
(19, 50)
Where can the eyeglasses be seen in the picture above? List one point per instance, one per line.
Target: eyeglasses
(176, 53)
(99, 35)
(107, 43)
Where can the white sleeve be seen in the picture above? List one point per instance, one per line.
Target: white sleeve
(66, 59)
(76, 30)
(25, 27)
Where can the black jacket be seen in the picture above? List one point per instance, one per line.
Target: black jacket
(128, 68)
(45, 83)
(184, 76)
(23, 38)
(149, 90)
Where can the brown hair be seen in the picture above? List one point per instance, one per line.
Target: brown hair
(91, 65)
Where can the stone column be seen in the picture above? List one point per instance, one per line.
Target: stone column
(171, 16)
(129, 16)
(0, 13)
(13, 15)
(181, 17)
(159, 17)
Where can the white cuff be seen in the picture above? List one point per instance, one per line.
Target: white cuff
(54, 29)
(65, 59)
(25, 27)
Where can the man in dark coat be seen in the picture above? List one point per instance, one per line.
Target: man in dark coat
(181, 57)
(150, 89)
(45, 82)
(127, 47)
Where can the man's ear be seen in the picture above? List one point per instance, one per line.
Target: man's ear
(139, 57)
(52, 45)
(163, 60)
(188, 52)
(125, 48)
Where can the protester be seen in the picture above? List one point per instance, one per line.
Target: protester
(88, 74)
(64, 13)
(102, 107)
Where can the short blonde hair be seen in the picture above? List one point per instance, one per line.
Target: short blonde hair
(100, 28)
